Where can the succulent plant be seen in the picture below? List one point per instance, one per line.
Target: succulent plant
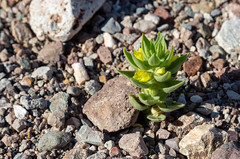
(156, 70)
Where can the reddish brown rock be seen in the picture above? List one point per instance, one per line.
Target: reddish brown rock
(193, 65)
(109, 108)
(229, 150)
(79, 151)
(74, 121)
(105, 55)
(133, 144)
(89, 45)
(57, 119)
(219, 63)
(162, 12)
(114, 152)
(51, 53)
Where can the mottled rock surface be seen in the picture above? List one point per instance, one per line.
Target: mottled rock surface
(109, 108)
(61, 19)
(202, 141)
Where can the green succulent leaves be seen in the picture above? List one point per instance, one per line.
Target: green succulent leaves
(156, 69)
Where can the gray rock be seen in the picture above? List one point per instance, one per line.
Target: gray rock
(53, 140)
(99, 39)
(3, 84)
(30, 104)
(92, 87)
(20, 156)
(196, 99)
(129, 39)
(2, 121)
(20, 31)
(216, 12)
(109, 144)
(173, 143)
(141, 10)
(133, 143)
(229, 36)
(182, 99)
(153, 18)
(59, 102)
(88, 135)
(43, 72)
(145, 26)
(80, 73)
(75, 91)
(163, 27)
(61, 19)
(109, 108)
(88, 62)
(233, 95)
(111, 26)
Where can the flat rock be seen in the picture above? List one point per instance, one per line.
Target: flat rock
(185, 123)
(43, 72)
(56, 119)
(230, 150)
(53, 140)
(61, 19)
(109, 108)
(51, 53)
(88, 135)
(129, 39)
(229, 36)
(133, 143)
(3, 84)
(108, 40)
(202, 140)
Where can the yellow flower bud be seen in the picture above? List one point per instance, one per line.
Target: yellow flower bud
(161, 71)
(139, 54)
(156, 111)
(142, 76)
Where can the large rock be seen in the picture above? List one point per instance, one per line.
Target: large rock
(229, 36)
(230, 150)
(133, 144)
(109, 108)
(200, 142)
(61, 19)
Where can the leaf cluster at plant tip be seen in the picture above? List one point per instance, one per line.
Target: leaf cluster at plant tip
(156, 70)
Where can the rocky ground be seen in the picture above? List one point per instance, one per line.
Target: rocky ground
(63, 98)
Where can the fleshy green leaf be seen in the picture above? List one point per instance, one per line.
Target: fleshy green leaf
(154, 60)
(128, 74)
(167, 59)
(136, 104)
(145, 47)
(170, 106)
(141, 84)
(163, 78)
(173, 86)
(147, 100)
(159, 118)
(141, 64)
(129, 58)
(175, 65)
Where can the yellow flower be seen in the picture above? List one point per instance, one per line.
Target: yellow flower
(139, 54)
(142, 76)
(161, 71)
